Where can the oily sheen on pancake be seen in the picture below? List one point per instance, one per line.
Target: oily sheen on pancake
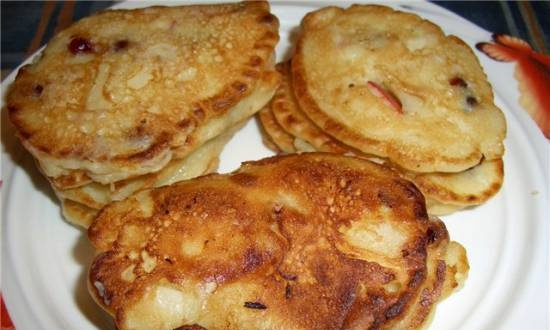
(122, 92)
(310, 241)
(393, 85)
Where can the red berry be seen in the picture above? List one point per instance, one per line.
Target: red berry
(457, 81)
(80, 45)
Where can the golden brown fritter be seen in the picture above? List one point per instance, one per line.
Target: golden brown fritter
(310, 241)
(393, 85)
(122, 92)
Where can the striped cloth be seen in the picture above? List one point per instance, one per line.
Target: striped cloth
(27, 25)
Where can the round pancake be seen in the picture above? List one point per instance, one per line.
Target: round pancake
(96, 195)
(471, 187)
(392, 84)
(290, 242)
(282, 140)
(122, 92)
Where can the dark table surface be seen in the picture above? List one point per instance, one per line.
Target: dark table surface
(27, 25)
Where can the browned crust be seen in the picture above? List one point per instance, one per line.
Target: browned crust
(285, 108)
(240, 87)
(320, 288)
(282, 140)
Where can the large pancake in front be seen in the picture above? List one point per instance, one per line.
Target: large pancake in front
(122, 92)
(392, 84)
(310, 241)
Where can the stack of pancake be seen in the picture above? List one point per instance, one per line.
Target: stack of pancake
(129, 99)
(310, 241)
(392, 87)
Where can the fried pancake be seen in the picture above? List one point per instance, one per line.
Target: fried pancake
(445, 192)
(439, 209)
(82, 215)
(309, 241)
(392, 84)
(471, 187)
(77, 213)
(274, 133)
(290, 117)
(121, 93)
(204, 158)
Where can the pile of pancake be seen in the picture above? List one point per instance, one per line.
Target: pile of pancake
(391, 87)
(125, 100)
(125, 110)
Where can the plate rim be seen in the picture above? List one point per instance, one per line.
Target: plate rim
(539, 146)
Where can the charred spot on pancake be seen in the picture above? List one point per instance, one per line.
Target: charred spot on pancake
(256, 61)
(267, 19)
(419, 209)
(472, 101)
(252, 260)
(288, 277)
(397, 308)
(387, 199)
(431, 234)
(190, 327)
(288, 291)
(38, 89)
(416, 279)
(254, 305)
(12, 109)
(186, 123)
(160, 144)
(121, 45)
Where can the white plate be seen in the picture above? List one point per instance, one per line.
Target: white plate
(45, 259)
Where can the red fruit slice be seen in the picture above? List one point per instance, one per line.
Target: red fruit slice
(386, 95)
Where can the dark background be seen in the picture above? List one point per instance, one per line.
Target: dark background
(27, 25)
